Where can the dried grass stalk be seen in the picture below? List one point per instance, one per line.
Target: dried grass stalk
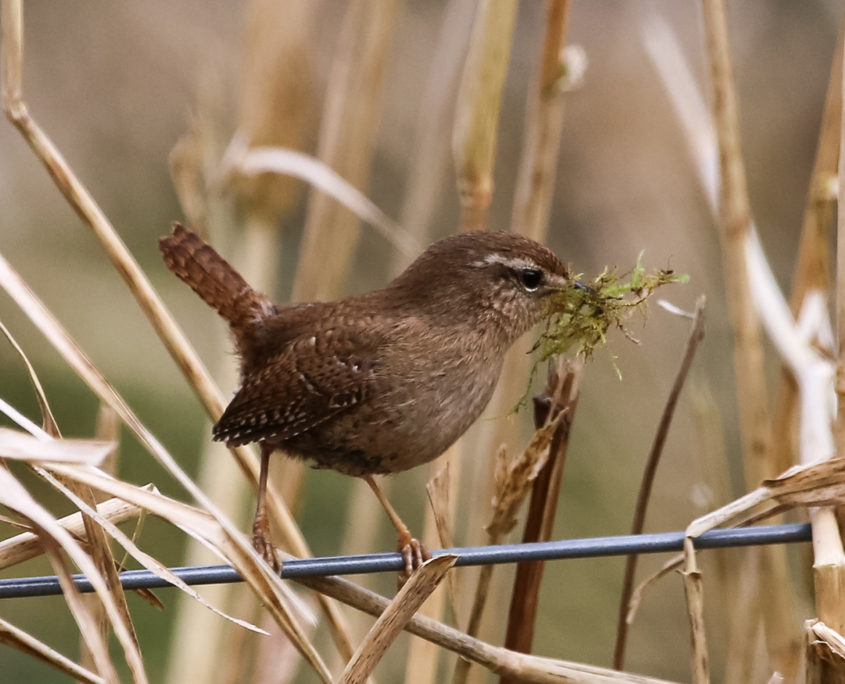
(54, 538)
(477, 114)
(25, 546)
(394, 618)
(735, 222)
(22, 641)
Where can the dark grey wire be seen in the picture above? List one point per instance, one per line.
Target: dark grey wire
(471, 555)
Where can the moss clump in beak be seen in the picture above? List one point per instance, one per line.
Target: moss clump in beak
(580, 314)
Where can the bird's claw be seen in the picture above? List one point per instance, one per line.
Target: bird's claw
(262, 544)
(414, 554)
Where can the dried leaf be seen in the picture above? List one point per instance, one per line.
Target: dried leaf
(23, 447)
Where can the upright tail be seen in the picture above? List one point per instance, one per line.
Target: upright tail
(208, 274)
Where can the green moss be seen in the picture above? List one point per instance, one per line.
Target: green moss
(579, 316)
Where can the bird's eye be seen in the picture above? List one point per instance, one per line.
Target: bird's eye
(531, 278)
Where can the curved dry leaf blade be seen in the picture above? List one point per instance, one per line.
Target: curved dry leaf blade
(25, 546)
(22, 447)
(15, 497)
(16, 638)
(48, 422)
(144, 558)
(258, 160)
(817, 484)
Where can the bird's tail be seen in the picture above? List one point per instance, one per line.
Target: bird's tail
(208, 274)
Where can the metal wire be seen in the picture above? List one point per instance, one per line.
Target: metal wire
(471, 555)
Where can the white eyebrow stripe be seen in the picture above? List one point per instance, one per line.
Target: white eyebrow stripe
(510, 262)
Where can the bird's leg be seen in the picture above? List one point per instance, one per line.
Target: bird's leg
(412, 550)
(261, 525)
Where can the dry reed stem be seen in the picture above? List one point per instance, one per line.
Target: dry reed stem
(260, 577)
(560, 397)
(501, 661)
(535, 183)
(694, 590)
(735, 221)
(346, 144)
(422, 662)
(20, 640)
(393, 619)
(474, 135)
(839, 429)
(276, 103)
(25, 546)
(825, 653)
(430, 153)
(696, 335)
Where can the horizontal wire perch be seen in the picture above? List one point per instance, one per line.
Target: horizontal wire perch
(472, 555)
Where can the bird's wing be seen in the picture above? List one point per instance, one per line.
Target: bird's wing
(301, 387)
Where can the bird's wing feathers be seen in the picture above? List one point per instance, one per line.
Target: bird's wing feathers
(295, 392)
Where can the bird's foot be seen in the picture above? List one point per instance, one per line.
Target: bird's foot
(262, 544)
(414, 554)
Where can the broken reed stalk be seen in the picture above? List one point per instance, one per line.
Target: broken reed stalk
(474, 136)
(561, 396)
(649, 472)
(395, 617)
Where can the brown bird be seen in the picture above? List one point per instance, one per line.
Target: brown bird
(377, 383)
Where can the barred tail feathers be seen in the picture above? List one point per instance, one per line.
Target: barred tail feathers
(197, 264)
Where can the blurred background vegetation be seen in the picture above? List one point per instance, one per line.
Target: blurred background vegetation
(117, 85)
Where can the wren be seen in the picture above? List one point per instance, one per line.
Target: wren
(377, 383)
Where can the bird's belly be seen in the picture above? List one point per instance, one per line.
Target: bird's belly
(400, 429)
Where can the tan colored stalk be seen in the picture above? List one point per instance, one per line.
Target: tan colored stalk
(429, 158)
(393, 619)
(535, 183)
(828, 554)
(735, 226)
(477, 115)
(24, 546)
